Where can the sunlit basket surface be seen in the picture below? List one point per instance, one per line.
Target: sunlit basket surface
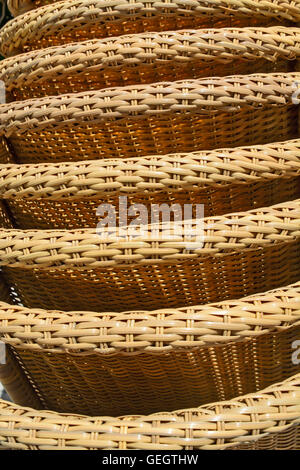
(99, 363)
(148, 58)
(265, 420)
(236, 255)
(106, 104)
(67, 195)
(161, 118)
(80, 20)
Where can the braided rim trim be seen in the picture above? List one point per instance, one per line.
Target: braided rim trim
(87, 180)
(196, 96)
(153, 332)
(74, 14)
(210, 45)
(214, 426)
(84, 248)
(18, 7)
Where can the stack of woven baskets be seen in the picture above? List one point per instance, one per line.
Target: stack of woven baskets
(183, 102)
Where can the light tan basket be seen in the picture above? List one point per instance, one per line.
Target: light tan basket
(79, 20)
(67, 195)
(148, 58)
(161, 118)
(239, 254)
(268, 419)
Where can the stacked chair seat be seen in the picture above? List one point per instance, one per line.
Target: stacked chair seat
(166, 104)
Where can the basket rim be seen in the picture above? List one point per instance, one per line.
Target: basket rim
(207, 45)
(209, 95)
(77, 12)
(18, 7)
(171, 172)
(85, 249)
(154, 332)
(218, 425)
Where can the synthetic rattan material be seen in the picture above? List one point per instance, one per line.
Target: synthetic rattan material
(152, 119)
(148, 58)
(79, 20)
(242, 253)
(66, 195)
(154, 332)
(99, 363)
(214, 426)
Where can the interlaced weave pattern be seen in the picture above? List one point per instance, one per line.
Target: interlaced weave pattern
(149, 58)
(79, 20)
(66, 195)
(156, 332)
(247, 419)
(241, 253)
(152, 119)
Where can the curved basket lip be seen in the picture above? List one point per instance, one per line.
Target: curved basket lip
(78, 12)
(173, 172)
(89, 248)
(270, 43)
(243, 419)
(209, 95)
(154, 332)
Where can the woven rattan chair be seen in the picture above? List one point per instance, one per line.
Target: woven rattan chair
(161, 118)
(265, 420)
(80, 20)
(66, 195)
(239, 254)
(149, 58)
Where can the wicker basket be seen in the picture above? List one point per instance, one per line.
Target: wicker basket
(80, 20)
(152, 119)
(239, 254)
(148, 58)
(67, 195)
(146, 361)
(265, 420)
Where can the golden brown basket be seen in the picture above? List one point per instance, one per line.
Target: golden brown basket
(239, 254)
(146, 361)
(18, 7)
(148, 58)
(66, 195)
(80, 20)
(268, 419)
(161, 118)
